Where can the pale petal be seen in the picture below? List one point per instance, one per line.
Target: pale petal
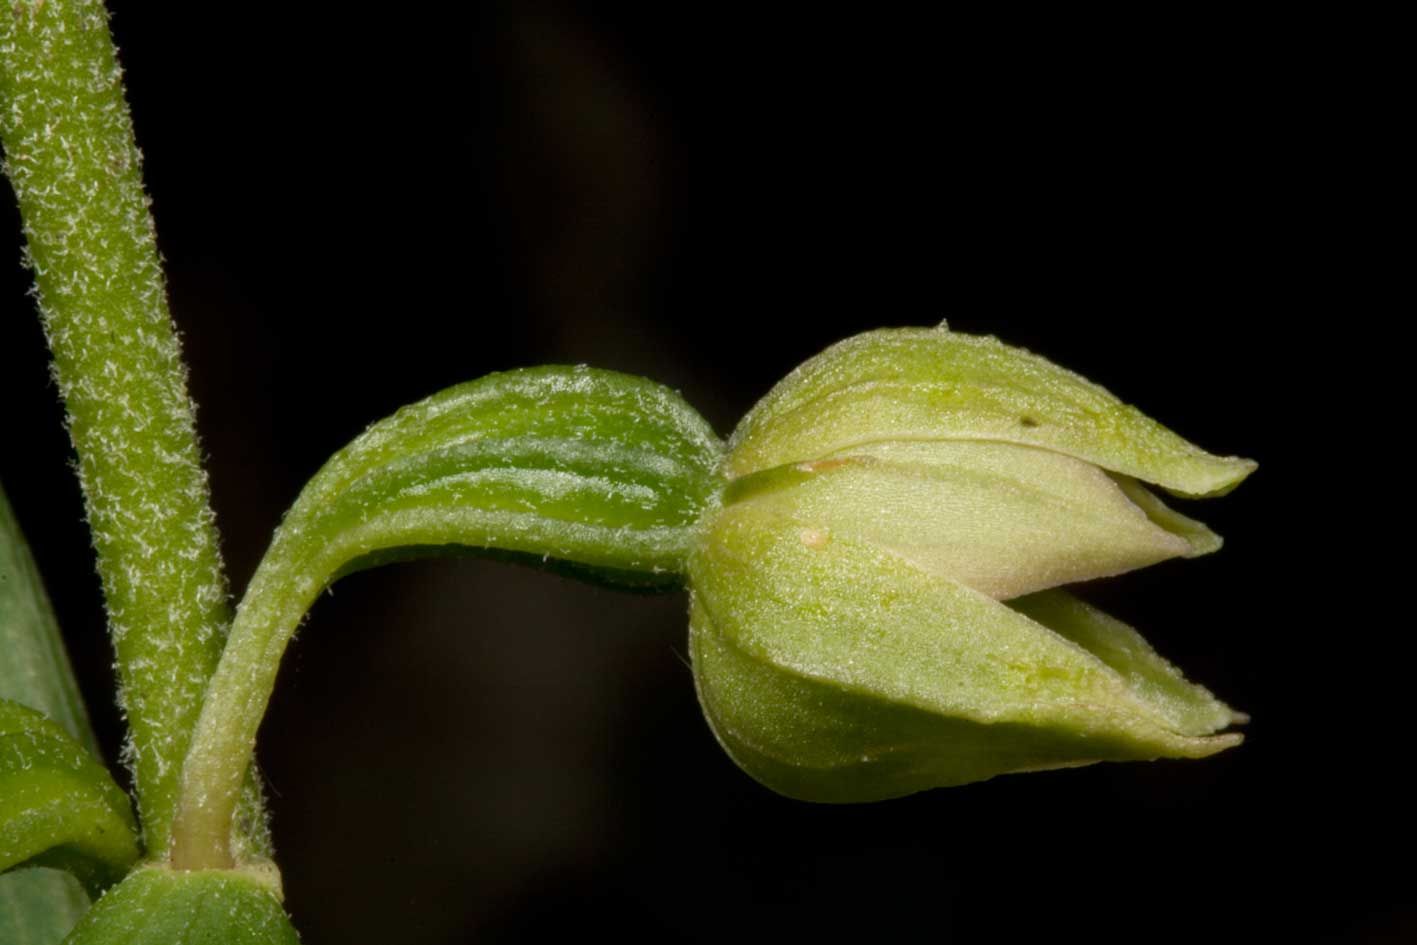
(1003, 519)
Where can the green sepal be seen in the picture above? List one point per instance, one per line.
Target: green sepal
(58, 806)
(36, 905)
(1185, 707)
(932, 383)
(207, 907)
(832, 670)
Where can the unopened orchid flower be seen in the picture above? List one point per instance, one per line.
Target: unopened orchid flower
(874, 604)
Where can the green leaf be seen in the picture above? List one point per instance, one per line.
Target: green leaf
(606, 472)
(58, 806)
(163, 907)
(34, 668)
(37, 906)
(934, 384)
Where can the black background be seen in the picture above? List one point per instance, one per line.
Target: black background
(361, 208)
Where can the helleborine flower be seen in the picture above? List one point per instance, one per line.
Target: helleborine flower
(872, 606)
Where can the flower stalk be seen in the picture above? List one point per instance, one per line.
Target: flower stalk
(602, 473)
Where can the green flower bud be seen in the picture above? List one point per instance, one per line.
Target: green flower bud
(849, 630)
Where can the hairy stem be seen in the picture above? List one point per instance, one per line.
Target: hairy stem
(71, 157)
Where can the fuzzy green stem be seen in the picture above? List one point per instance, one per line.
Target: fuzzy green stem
(240, 690)
(71, 157)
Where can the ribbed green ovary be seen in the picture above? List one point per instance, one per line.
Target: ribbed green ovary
(586, 466)
(604, 471)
